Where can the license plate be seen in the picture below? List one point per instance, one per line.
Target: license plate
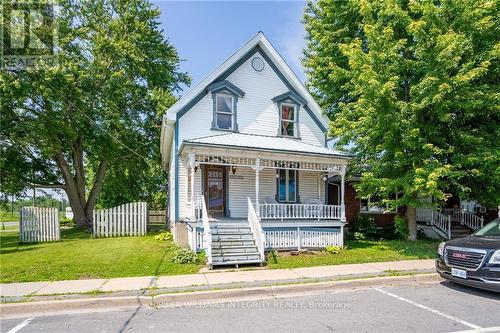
(461, 273)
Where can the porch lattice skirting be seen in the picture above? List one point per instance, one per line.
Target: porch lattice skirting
(284, 238)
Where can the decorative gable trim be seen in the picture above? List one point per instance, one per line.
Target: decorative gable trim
(227, 86)
(290, 96)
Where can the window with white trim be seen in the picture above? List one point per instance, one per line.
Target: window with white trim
(287, 185)
(288, 116)
(224, 111)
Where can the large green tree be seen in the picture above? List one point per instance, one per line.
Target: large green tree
(66, 126)
(413, 86)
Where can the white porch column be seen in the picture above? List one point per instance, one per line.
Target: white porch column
(191, 160)
(257, 171)
(342, 193)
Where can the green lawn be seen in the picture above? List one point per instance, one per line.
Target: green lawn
(361, 252)
(9, 217)
(78, 256)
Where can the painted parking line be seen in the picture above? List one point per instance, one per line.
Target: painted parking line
(442, 314)
(20, 326)
(481, 330)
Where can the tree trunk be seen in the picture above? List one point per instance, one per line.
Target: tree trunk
(80, 216)
(411, 218)
(75, 187)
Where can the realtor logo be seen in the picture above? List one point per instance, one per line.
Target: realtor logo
(29, 34)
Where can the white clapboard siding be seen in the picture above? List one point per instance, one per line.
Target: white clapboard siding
(126, 220)
(256, 112)
(39, 224)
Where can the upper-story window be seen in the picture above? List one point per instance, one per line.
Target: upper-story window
(224, 111)
(289, 105)
(225, 96)
(287, 119)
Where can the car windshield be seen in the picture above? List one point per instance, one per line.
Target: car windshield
(492, 229)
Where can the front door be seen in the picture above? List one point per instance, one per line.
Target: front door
(214, 190)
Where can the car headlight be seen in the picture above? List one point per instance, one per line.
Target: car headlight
(441, 248)
(495, 258)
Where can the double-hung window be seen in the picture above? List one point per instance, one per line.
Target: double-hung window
(287, 119)
(287, 185)
(224, 111)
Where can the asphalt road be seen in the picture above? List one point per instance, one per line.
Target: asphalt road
(434, 307)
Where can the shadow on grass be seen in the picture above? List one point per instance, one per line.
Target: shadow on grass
(9, 241)
(74, 233)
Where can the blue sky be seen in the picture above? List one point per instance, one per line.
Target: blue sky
(205, 33)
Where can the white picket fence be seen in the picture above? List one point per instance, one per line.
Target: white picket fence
(38, 224)
(125, 220)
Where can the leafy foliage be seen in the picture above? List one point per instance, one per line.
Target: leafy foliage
(164, 236)
(364, 226)
(400, 227)
(332, 249)
(272, 256)
(412, 87)
(97, 113)
(185, 256)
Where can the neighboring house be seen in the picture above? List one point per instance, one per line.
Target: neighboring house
(247, 161)
(456, 217)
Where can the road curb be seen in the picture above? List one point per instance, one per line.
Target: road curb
(198, 298)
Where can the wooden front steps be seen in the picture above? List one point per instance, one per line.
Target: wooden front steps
(234, 244)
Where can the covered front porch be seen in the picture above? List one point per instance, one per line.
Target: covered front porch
(283, 191)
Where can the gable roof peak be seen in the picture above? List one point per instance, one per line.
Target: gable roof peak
(258, 40)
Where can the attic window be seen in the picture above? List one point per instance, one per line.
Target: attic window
(225, 98)
(288, 105)
(287, 119)
(224, 111)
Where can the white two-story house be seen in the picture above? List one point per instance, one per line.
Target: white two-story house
(247, 162)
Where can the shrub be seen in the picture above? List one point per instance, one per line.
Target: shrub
(386, 232)
(272, 256)
(332, 249)
(164, 235)
(359, 236)
(366, 225)
(400, 227)
(185, 256)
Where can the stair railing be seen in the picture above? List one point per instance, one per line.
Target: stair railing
(207, 233)
(441, 222)
(256, 229)
(472, 221)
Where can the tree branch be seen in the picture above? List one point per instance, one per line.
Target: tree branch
(61, 186)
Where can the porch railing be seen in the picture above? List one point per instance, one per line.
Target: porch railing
(472, 221)
(464, 217)
(439, 220)
(207, 234)
(256, 228)
(282, 211)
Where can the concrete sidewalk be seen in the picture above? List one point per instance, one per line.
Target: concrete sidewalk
(211, 279)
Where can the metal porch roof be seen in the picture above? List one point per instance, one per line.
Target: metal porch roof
(265, 143)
